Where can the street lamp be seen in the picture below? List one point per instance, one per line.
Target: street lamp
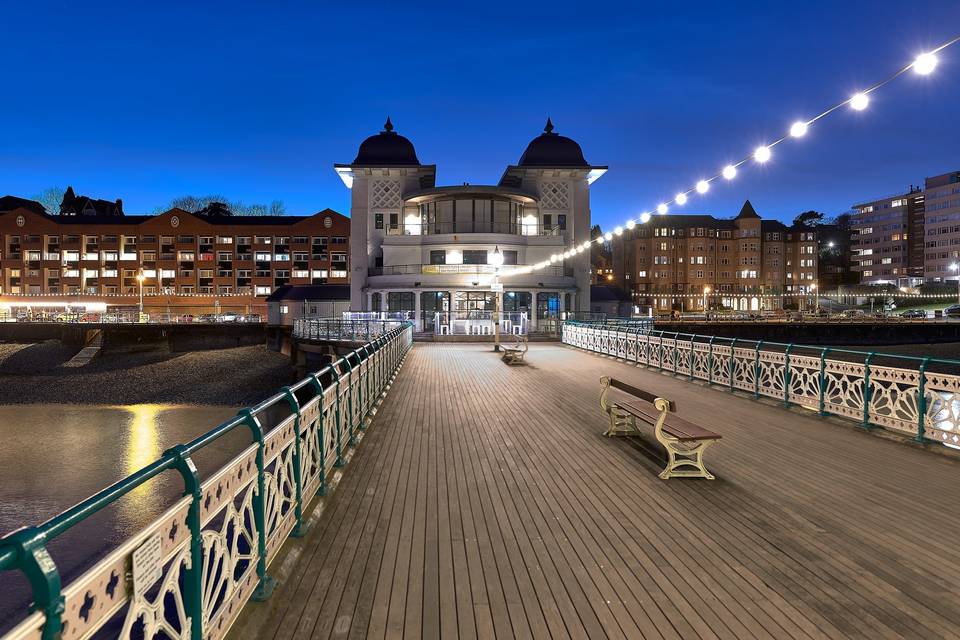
(706, 290)
(816, 298)
(140, 278)
(496, 259)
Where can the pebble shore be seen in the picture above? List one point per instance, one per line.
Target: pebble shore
(32, 373)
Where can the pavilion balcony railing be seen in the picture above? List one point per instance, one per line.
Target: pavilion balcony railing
(471, 226)
(190, 572)
(454, 269)
(918, 397)
(348, 329)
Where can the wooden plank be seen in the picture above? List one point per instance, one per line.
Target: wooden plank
(483, 502)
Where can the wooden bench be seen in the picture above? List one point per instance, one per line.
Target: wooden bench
(684, 441)
(513, 354)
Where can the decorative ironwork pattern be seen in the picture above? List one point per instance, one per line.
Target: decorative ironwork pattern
(216, 542)
(911, 401)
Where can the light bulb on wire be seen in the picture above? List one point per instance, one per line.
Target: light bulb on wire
(729, 172)
(925, 64)
(859, 101)
(681, 199)
(703, 186)
(662, 208)
(798, 129)
(761, 154)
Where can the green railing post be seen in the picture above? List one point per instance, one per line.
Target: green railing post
(660, 352)
(32, 557)
(350, 392)
(692, 341)
(299, 529)
(710, 361)
(367, 355)
(321, 436)
(336, 381)
(786, 375)
(867, 391)
(733, 365)
(823, 381)
(266, 584)
(676, 351)
(922, 403)
(756, 370)
(193, 577)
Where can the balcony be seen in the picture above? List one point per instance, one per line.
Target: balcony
(456, 269)
(436, 228)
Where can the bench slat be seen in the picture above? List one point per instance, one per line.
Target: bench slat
(674, 425)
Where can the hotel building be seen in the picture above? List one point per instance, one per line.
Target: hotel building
(90, 255)
(426, 249)
(694, 262)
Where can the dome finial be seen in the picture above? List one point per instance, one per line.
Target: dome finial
(549, 128)
(388, 126)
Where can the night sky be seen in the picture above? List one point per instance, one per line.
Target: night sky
(257, 101)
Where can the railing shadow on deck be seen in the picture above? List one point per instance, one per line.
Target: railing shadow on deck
(189, 572)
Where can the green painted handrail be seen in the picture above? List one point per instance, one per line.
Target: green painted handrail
(25, 549)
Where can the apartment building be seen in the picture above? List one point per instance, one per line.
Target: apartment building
(185, 259)
(888, 240)
(693, 262)
(941, 238)
(910, 238)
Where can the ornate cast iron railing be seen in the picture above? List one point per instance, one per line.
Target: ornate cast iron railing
(910, 395)
(208, 554)
(363, 330)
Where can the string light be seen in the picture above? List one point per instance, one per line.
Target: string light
(924, 64)
(859, 101)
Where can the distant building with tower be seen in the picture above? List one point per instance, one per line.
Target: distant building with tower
(424, 250)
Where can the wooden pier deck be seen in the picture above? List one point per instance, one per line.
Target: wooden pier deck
(484, 502)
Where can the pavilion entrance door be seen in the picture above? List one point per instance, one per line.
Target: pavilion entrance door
(433, 304)
(548, 312)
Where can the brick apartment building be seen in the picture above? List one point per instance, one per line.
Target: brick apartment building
(686, 261)
(191, 262)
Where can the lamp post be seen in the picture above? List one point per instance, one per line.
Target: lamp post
(816, 298)
(140, 278)
(496, 259)
(706, 309)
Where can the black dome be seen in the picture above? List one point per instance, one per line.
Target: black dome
(386, 149)
(552, 150)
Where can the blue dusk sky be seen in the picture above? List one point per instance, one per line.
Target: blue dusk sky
(257, 101)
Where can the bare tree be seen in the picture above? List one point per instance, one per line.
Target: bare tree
(194, 204)
(51, 198)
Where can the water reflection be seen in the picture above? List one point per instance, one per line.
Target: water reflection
(54, 456)
(143, 447)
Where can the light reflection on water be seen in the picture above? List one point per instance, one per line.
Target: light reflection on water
(54, 456)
